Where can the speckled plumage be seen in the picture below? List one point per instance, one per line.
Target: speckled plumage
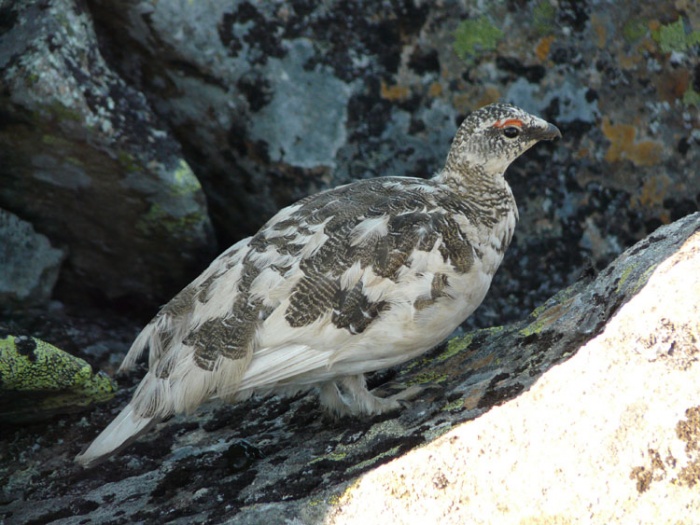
(347, 281)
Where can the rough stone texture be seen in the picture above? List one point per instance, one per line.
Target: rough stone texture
(29, 264)
(275, 100)
(38, 380)
(586, 424)
(85, 160)
(610, 436)
(270, 101)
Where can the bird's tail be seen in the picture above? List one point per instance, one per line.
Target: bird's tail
(125, 428)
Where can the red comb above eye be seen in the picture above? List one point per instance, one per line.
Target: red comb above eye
(508, 122)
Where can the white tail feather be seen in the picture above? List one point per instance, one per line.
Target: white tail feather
(125, 428)
(144, 340)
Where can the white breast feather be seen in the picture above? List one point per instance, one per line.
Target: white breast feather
(369, 229)
(351, 276)
(312, 243)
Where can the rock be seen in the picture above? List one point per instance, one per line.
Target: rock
(502, 436)
(38, 381)
(267, 102)
(29, 264)
(276, 100)
(86, 161)
(610, 436)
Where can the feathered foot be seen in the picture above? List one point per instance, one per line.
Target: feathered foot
(349, 396)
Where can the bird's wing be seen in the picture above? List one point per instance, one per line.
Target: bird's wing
(315, 278)
(385, 256)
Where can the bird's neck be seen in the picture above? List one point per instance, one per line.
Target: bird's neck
(487, 193)
(489, 206)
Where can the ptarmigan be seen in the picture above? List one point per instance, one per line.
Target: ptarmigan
(347, 281)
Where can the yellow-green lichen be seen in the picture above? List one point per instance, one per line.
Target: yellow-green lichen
(158, 219)
(427, 377)
(344, 498)
(333, 456)
(457, 345)
(643, 279)
(416, 363)
(624, 276)
(634, 29)
(476, 36)
(691, 98)
(185, 181)
(454, 405)
(673, 37)
(542, 318)
(388, 453)
(538, 310)
(543, 15)
(37, 379)
(533, 328)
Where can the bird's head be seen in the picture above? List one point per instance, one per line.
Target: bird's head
(492, 137)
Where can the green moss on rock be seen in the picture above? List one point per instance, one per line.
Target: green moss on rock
(543, 15)
(634, 29)
(38, 380)
(691, 98)
(673, 37)
(476, 36)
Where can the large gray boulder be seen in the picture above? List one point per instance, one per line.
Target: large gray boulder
(86, 162)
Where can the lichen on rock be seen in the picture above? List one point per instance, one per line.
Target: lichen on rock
(38, 380)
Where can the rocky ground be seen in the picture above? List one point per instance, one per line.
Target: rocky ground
(139, 139)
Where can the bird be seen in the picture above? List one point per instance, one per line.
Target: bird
(351, 280)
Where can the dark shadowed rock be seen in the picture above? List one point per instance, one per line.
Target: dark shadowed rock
(29, 264)
(84, 159)
(633, 324)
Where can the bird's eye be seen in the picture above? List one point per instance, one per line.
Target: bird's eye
(511, 132)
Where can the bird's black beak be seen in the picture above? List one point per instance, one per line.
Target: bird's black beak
(551, 132)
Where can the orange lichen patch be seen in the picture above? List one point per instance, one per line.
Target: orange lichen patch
(600, 31)
(435, 89)
(471, 401)
(508, 122)
(653, 191)
(481, 363)
(491, 94)
(629, 61)
(543, 46)
(624, 146)
(395, 92)
(672, 85)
